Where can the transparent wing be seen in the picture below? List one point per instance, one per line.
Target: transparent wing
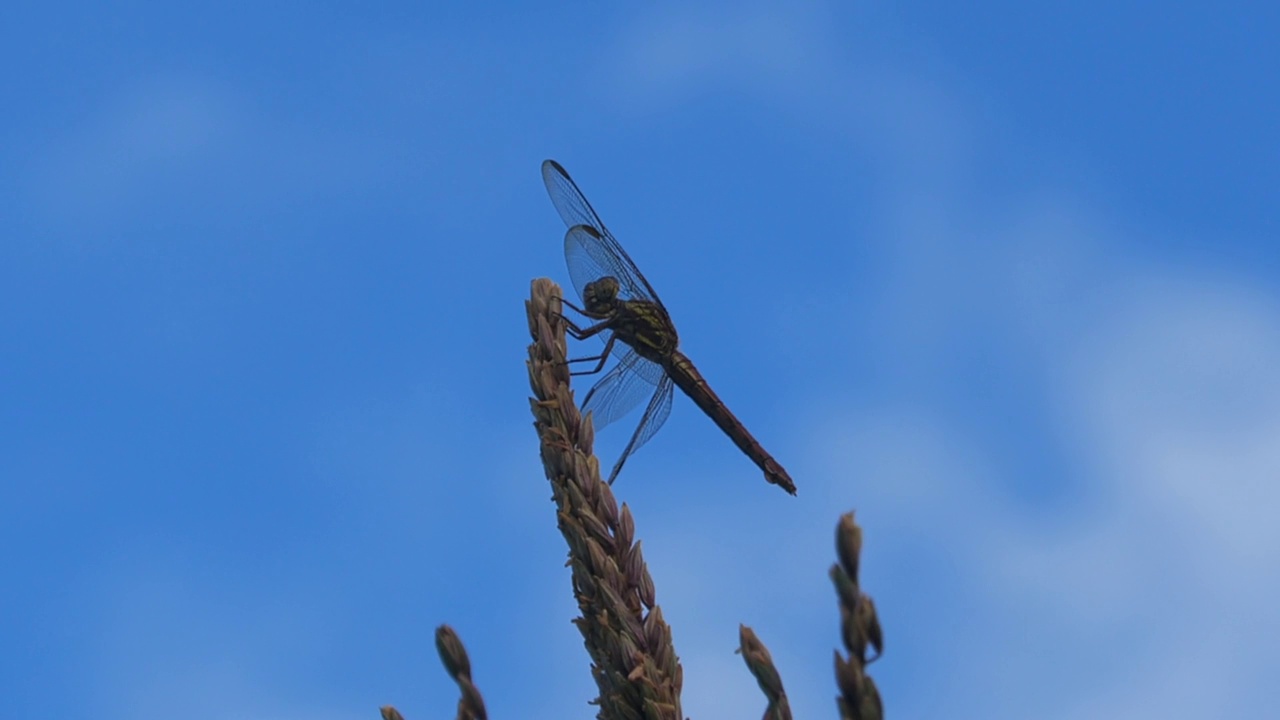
(568, 199)
(652, 371)
(576, 211)
(621, 389)
(654, 416)
(590, 258)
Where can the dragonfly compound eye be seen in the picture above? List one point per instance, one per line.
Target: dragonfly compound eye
(601, 293)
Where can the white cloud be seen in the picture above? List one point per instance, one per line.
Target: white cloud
(1162, 383)
(1179, 391)
(831, 79)
(1162, 575)
(684, 47)
(190, 144)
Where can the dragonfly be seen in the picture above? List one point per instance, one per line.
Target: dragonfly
(623, 306)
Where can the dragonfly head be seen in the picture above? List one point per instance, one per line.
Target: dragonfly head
(601, 295)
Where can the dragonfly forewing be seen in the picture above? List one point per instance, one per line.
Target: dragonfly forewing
(589, 258)
(574, 211)
(568, 199)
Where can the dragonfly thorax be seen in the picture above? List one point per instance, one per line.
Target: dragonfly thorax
(601, 296)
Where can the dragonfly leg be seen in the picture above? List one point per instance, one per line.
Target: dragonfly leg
(572, 327)
(573, 307)
(600, 359)
(580, 333)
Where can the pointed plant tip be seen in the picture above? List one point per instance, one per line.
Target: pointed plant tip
(633, 661)
(452, 653)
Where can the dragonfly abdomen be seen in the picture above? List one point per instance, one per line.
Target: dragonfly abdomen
(688, 379)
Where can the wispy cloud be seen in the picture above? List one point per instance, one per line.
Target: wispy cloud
(192, 144)
(1162, 383)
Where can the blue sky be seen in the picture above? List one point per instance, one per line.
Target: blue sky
(1003, 278)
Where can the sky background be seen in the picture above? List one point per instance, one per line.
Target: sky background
(1003, 278)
